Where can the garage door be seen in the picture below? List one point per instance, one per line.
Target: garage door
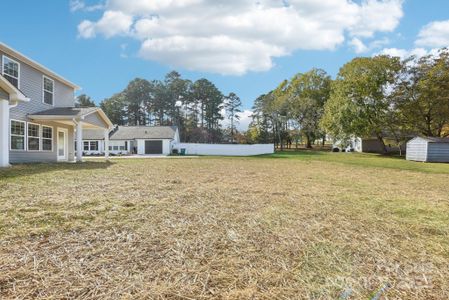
(153, 147)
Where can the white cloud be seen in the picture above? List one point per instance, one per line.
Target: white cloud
(237, 36)
(111, 24)
(86, 29)
(435, 34)
(431, 38)
(359, 46)
(403, 53)
(245, 120)
(76, 5)
(206, 54)
(243, 123)
(417, 53)
(383, 16)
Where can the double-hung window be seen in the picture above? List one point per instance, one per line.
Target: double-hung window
(90, 146)
(48, 86)
(11, 71)
(17, 135)
(93, 145)
(47, 138)
(34, 140)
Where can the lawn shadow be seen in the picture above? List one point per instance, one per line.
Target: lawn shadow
(295, 153)
(27, 169)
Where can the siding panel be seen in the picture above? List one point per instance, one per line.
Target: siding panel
(438, 152)
(417, 150)
(96, 120)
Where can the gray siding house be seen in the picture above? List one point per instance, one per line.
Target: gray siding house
(38, 118)
(428, 149)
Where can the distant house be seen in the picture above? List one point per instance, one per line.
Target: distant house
(428, 149)
(373, 145)
(93, 142)
(368, 145)
(38, 118)
(126, 140)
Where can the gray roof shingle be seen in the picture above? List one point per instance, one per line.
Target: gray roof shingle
(435, 139)
(66, 111)
(143, 132)
(93, 134)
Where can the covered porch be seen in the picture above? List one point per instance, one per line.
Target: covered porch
(77, 119)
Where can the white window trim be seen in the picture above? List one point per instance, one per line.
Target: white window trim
(39, 136)
(88, 145)
(42, 138)
(18, 70)
(98, 145)
(66, 144)
(25, 141)
(44, 90)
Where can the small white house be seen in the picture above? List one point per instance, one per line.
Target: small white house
(93, 142)
(146, 140)
(428, 149)
(126, 140)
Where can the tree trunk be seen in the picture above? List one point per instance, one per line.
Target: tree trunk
(202, 115)
(308, 142)
(381, 140)
(280, 138)
(232, 130)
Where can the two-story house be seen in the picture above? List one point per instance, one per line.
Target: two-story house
(38, 117)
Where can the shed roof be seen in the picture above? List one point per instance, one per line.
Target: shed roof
(143, 132)
(435, 139)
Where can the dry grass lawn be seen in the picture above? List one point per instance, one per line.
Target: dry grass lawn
(283, 227)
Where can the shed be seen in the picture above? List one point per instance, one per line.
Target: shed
(428, 149)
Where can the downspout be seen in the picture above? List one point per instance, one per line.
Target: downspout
(13, 105)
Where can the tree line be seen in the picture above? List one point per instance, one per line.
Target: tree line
(197, 108)
(381, 97)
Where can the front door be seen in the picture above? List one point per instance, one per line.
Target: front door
(153, 147)
(62, 144)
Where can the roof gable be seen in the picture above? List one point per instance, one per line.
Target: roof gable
(143, 132)
(22, 58)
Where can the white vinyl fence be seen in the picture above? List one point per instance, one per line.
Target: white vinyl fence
(226, 149)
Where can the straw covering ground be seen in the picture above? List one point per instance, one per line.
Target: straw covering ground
(288, 226)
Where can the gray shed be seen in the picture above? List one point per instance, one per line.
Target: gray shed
(428, 149)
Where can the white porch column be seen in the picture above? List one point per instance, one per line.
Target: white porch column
(4, 133)
(106, 143)
(79, 141)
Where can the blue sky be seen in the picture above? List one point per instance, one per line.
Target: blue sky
(241, 46)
